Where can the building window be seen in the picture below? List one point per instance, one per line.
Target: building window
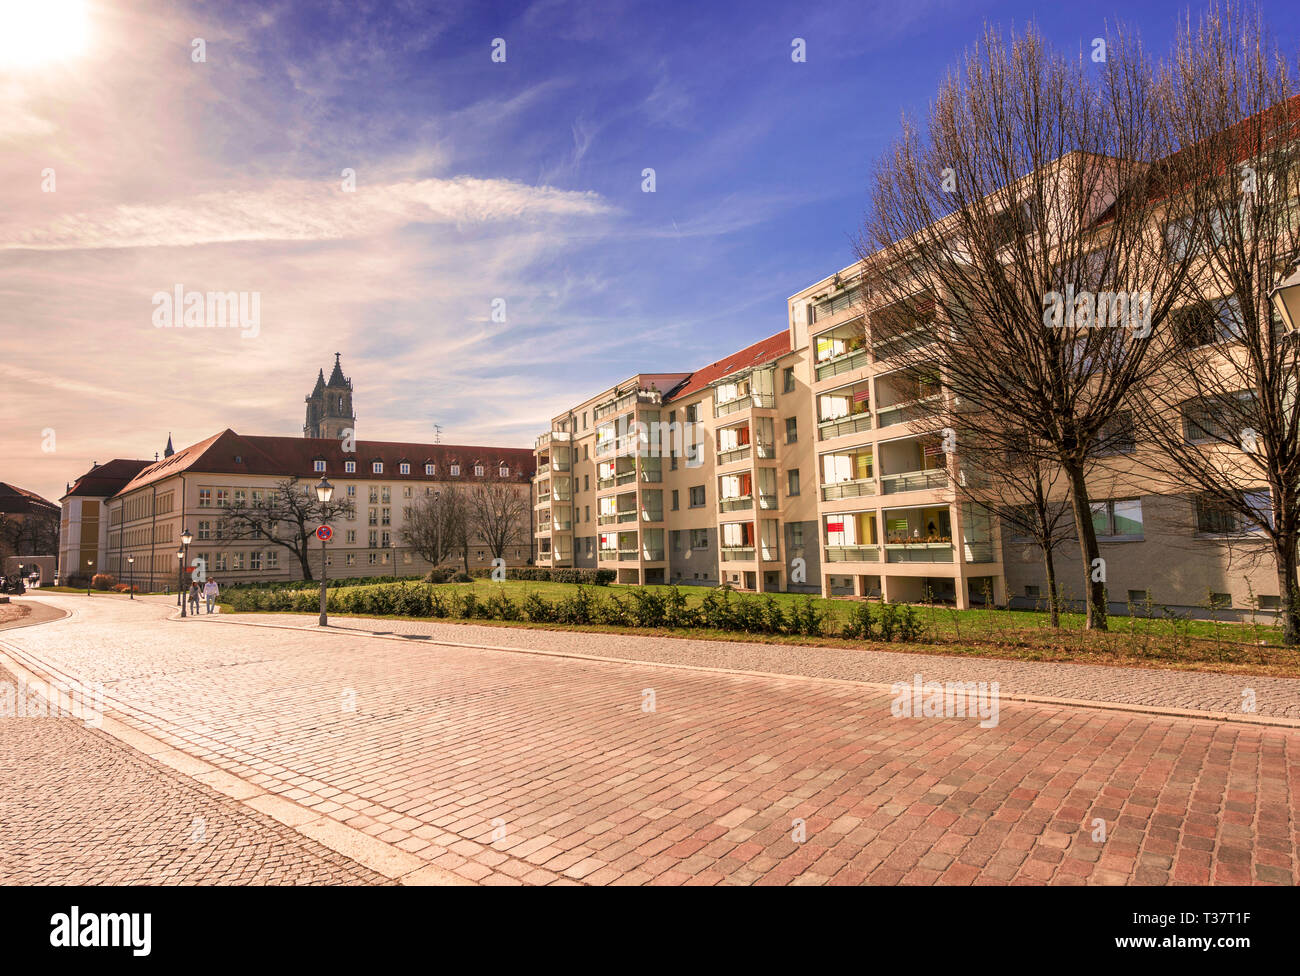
(430, 469)
(374, 494)
(791, 429)
(697, 496)
(386, 494)
(1216, 519)
(255, 561)
(1118, 518)
(350, 559)
(792, 479)
(406, 491)
(692, 413)
(478, 470)
(787, 376)
(272, 560)
(386, 517)
(372, 558)
(699, 538)
(350, 536)
(223, 497)
(504, 471)
(373, 540)
(455, 470)
(349, 467)
(374, 517)
(675, 506)
(796, 534)
(404, 468)
(205, 530)
(318, 466)
(377, 467)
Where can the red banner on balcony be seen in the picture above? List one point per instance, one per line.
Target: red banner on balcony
(834, 526)
(862, 396)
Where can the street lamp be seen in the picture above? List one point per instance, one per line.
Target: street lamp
(186, 539)
(180, 580)
(324, 492)
(1286, 300)
(130, 576)
(89, 563)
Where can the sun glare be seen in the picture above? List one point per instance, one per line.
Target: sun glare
(39, 32)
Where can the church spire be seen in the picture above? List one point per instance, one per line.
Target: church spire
(168, 451)
(336, 378)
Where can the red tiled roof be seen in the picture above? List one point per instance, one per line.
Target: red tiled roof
(104, 480)
(285, 457)
(20, 501)
(761, 352)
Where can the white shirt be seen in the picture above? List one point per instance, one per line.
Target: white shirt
(210, 588)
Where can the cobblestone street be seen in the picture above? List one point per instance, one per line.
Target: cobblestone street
(505, 767)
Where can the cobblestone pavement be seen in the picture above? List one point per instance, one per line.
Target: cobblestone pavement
(80, 808)
(1198, 691)
(506, 768)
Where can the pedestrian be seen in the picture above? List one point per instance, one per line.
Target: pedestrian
(210, 590)
(194, 597)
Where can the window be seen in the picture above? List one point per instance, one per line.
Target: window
(219, 562)
(584, 452)
(272, 560)
(406, 491)
(205, 530)
(377, 467)
(504, 471)
(1118, 518)
(404, 468)
(792, 479)
(349, 467)
(350, 559)
(787, 380)
(255, 561)
(455, 470)
(796, 534)
(697, 496)
(699, 538)
(1139, 597)
(791, 429)
(1117, 436)
(692, 413)
(429, 469)
(1215, 518)
(1216, 418)
(374, 494)
(1031, 592)
(1208, 322)
(478, 470)
(351, 492)
(374, 516)
(373, 539)
(386, 518)
(675, 505)
(318, 466)
(676, 537)
(386, 493)
(223, 497)
(205, 498)
(350, 536)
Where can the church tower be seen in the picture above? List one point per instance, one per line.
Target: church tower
(329, 407)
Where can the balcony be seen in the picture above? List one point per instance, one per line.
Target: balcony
(980, 552)
(628, 555)
(541, 500)
(839, 426)
(902, 413)
(768, 500)
(543, 469)
(853, 554)
(652, 555)
(849, 489)
(734, 454)
(740, 504)
(652, 515)
(737, 554)
(895, 484)
(558, 436)
(845, 362)
(744, 402)
(918, 552)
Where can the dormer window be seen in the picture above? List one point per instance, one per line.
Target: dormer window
(504, 471)
(430, 469)
(455, 470)
(350, 467)
(377, 467)
(318, 466)
(405, 467)
(478, 470)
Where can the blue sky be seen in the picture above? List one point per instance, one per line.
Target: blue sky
(475, 181)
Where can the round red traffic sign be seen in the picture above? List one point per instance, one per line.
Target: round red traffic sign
(324, 533)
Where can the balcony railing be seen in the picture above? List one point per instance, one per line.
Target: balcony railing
(766, 451)
(736, 504)
(894, 484)
(734, 454)
(736, 554)
(838, 427)
(762, 400)
(652, 515)
(919, 552)
(768, 501)
(848, 489)
(607, 518)
(901, 413)
(541, 500)
(627, 516)
(566, 526)
(853, 554)
(980, 552)
(652, 555)
(543, 469)
(915, 338)
(625, 555)
(845, 362)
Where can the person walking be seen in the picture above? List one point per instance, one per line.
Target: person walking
(194, 597)
(210, 590)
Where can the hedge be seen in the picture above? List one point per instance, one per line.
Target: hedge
(638, 607)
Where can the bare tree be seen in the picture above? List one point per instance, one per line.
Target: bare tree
(1224, 411)
(1023, 491)
(1017, 229)
(33, 534)
(436, 526)
(498, 514)
(286, 516)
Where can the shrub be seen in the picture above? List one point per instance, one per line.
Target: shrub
(774, 617)
(499, 606)
(910, 627)
(676, 611)
(439, 574)
(537, 610)
(614, 611)
(578, 608)
(888, 621)
(860, 624)
(102, 581)
(716, 609)
(647, 608)
(747, 616)
(806, 618)
(462, 578)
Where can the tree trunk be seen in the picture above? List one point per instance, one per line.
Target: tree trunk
(1094, 583)
(1284, 553)
(1053, 597)
(306, 566)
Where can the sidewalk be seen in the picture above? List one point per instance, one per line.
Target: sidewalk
(1217, 695)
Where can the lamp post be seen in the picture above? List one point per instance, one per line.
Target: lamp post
(89, 580)
(324, 492)
(186, 539)
(1286, 300)
(180, 583)
(130, 576)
